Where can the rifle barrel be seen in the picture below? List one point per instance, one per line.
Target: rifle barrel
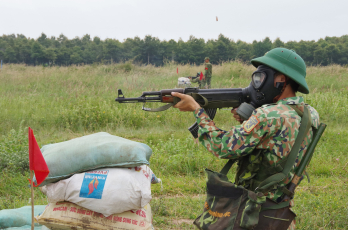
(138, 99)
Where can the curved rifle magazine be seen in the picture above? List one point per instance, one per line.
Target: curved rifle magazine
(194, 128)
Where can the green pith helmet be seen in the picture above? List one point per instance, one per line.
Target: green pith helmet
(287, 62)
(206, 58)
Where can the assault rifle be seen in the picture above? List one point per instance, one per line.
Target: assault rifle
(190, 77)
(209, 99)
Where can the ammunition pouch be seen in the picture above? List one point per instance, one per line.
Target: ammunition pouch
(233, 207)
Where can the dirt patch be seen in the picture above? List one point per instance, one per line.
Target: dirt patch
(137, 139)
(182, 221)
(179, 196)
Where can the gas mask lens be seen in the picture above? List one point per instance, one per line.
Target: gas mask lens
(257, 79)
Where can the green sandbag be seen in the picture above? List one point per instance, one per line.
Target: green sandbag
(94, 151)
(20, 217)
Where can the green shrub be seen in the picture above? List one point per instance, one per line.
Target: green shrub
(127, 67)
(14, 151)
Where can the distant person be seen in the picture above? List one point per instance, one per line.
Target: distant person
(196, 80)
(206, 81)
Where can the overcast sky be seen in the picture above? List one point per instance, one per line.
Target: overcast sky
(245, 20)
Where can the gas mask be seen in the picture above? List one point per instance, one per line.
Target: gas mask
(261, 90)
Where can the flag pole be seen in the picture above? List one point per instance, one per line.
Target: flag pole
(37, 166)
(32, 199)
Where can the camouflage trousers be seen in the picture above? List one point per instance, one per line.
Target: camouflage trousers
(197, 81)
(206, 83)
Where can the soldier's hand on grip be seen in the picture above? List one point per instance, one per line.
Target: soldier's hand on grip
(187, 102)
(236, 116)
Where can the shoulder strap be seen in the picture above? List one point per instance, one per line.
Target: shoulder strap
(227, 167)
(306, 124)
(299, 112)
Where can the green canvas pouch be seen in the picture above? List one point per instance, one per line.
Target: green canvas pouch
(228, 206)
(250, 216)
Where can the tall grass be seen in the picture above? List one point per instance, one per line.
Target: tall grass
(61, 103)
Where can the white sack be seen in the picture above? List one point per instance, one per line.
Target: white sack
(107, 191)
(184, 81)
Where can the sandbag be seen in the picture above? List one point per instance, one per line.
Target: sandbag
(19, 217)
(107, 191)
(28, 227)
(184, 81)
(99, 150)
(66, 215)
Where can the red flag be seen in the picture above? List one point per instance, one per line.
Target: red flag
(36, 160)
(177, 70)
(201, 76)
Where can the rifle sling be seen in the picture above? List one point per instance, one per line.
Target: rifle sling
(159, 109)
(227, 167)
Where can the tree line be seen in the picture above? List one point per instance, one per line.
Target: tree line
(150, 50)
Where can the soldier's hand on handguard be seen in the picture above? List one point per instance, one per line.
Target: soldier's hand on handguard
(236, 116)
(187, 102)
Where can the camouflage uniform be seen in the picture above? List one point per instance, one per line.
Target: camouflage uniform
(272, 128)
(196, 80)
(208, 74)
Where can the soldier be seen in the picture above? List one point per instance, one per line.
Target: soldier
(196, 80)
(206, 81)
(272, 128)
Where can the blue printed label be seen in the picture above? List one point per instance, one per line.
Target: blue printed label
(93, 184)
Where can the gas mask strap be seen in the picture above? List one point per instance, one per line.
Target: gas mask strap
(278, 85)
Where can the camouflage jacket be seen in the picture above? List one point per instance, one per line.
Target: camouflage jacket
(208, 69)
(272, 128)
(196, 80)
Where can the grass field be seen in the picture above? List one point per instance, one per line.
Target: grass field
(61, 103)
